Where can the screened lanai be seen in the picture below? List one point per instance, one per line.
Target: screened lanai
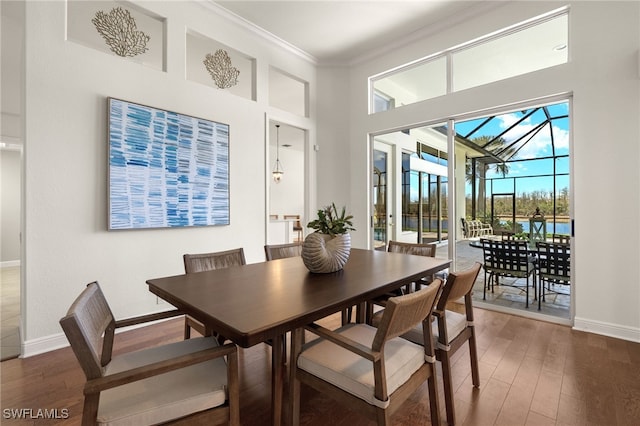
(518, 163)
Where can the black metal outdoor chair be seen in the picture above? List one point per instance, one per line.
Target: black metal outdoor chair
(508, 258)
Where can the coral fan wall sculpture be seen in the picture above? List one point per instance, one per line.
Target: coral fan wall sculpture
(118, 28)
(219, 66)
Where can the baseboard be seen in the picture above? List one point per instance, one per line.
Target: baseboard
(9, 263)
(530, 314)
(58, 341)
(43, 344)
(607, 329)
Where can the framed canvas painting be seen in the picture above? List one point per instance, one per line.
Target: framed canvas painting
(166, 169)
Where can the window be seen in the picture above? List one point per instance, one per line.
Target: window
(530, 49)
(416, 83)
(539, 43)
(382, 102)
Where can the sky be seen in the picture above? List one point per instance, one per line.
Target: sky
(538, 146)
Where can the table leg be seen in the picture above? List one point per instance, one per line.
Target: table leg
(277, 379)
(297, 340)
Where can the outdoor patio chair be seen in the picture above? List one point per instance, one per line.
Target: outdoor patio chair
(554, 268)
(508, 235)
(561, 238)
(369, 370)
(507, 258)
(465, 228)
(452, 330)
(189, 380)
(207, 262)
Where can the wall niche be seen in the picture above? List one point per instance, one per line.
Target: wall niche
(216, 65)
(120, 29)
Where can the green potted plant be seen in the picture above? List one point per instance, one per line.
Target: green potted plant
(328, 248)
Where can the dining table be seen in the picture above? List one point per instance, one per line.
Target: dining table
(260, 302)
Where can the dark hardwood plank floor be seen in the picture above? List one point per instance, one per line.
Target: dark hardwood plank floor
(532, 373)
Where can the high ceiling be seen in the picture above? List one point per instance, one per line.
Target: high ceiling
(341, 32)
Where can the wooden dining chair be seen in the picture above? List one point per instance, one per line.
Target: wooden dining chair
(428, 250)
(452, 330)
(187, 380)
(208, 262)
(297, 226)
(282, 251)
(370, 370)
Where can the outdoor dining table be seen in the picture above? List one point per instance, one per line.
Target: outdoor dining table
(260, 302)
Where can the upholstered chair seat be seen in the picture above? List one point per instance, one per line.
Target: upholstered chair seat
(370, 370)
(354, 374)
(167, 396)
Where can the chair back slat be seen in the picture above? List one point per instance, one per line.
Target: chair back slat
(428, 250)
(282, 251)
(89, 326)
(458, 284)
(210, 261)
(403, 313)
(554, 261)
(507, 256)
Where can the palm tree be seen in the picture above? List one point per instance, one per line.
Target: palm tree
(492, 144)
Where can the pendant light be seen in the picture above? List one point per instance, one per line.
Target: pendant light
(277, 170)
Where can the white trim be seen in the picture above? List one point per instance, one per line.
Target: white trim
(607, 329)
(531, 314)
(260, 32)
(45, 344)
(580, 324)
(9, 263)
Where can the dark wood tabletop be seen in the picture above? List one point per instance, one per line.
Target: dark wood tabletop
(253, 303)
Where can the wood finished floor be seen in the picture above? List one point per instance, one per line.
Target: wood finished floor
(532, 373)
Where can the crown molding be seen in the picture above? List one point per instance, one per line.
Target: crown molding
(259, 31)
(451, 21)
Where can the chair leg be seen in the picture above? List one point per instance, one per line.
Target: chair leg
(187, 330)
(448, 388)
(540, 292)
(383, 417)
(346, 316)
(473, 354)
(486, 283)
(434, 403)
(90, 409)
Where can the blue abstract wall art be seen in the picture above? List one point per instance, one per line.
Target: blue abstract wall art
(166, 169)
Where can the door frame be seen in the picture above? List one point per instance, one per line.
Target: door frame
(388, 149)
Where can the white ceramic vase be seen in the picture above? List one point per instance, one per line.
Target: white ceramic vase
(322, 253)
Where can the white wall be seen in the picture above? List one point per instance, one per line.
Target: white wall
(66, 241)
(334, 156)
(603, 77)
